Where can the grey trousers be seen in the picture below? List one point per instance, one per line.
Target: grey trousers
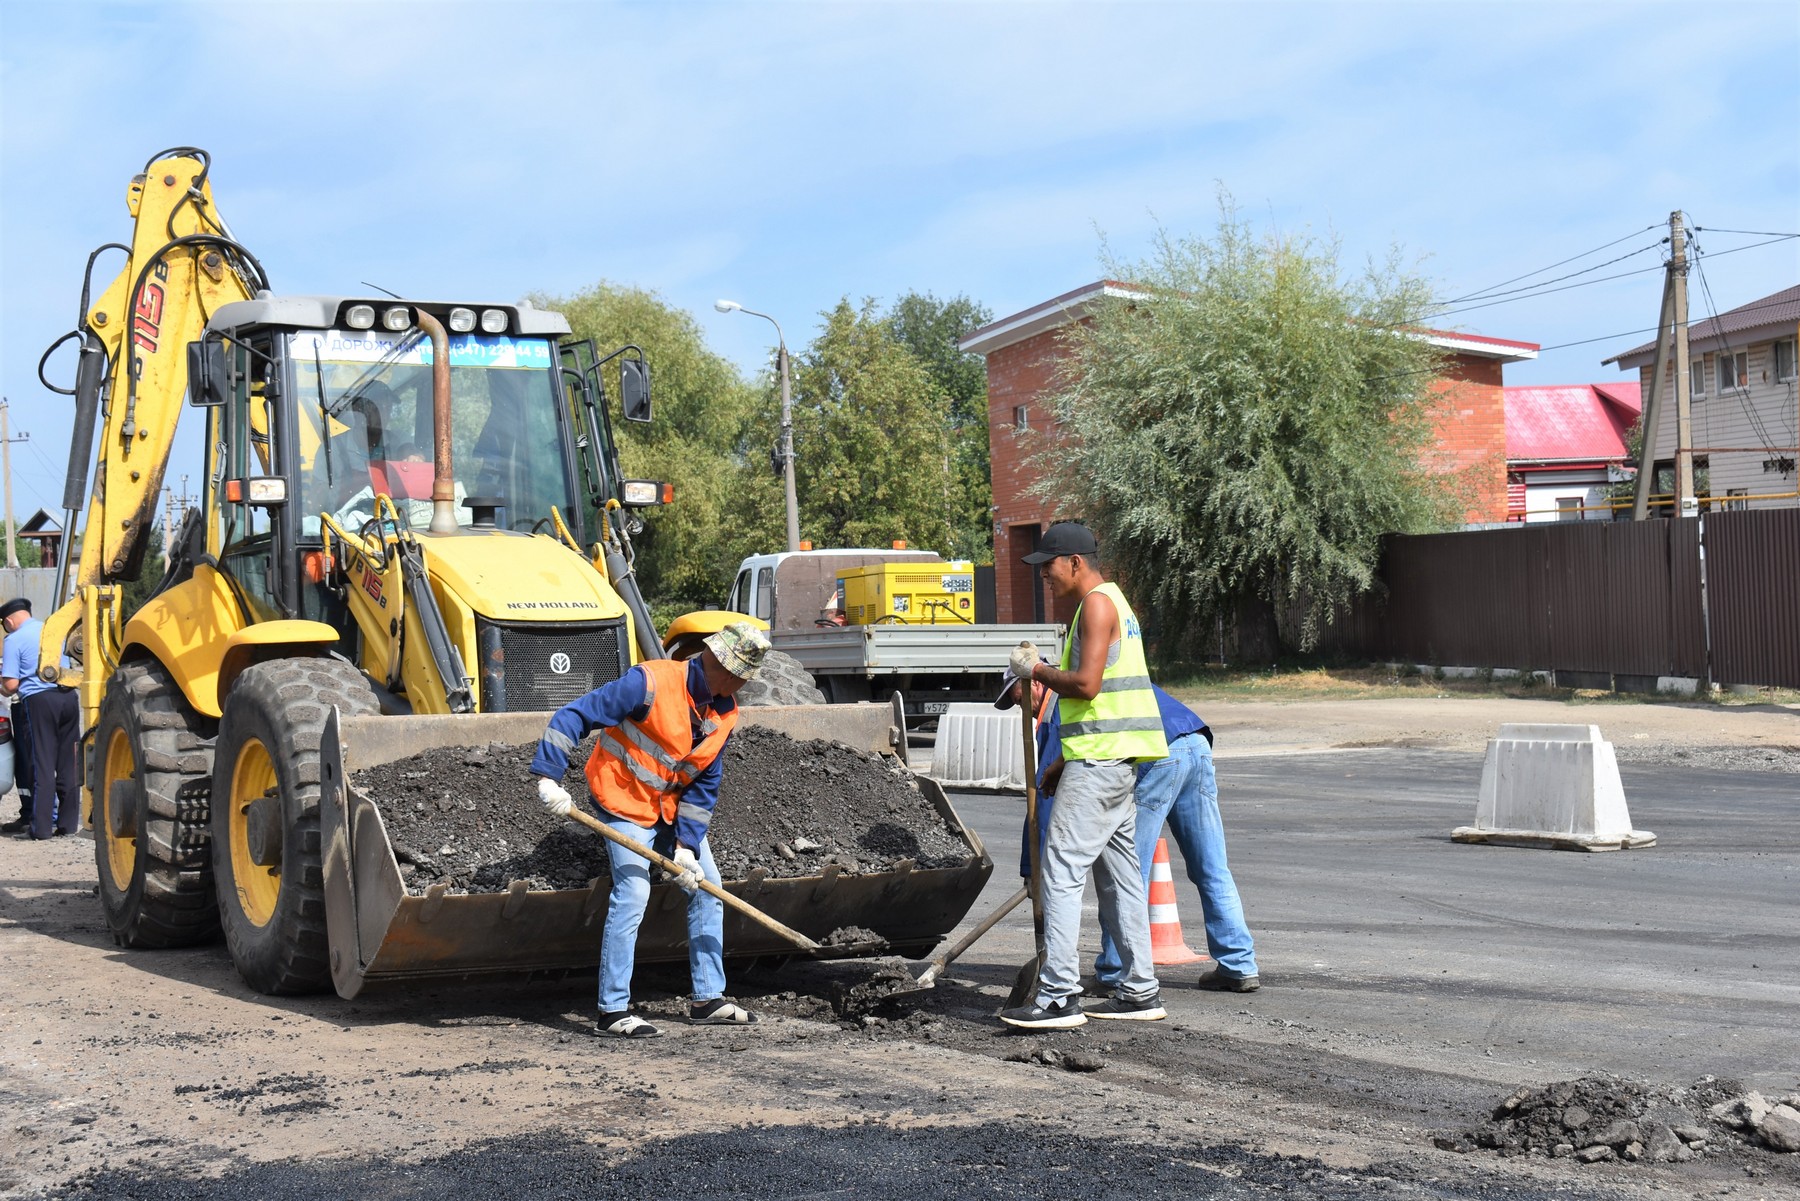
(1093, 824)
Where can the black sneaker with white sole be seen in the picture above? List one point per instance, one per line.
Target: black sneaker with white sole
(1120, 1009)
(1058, 1015)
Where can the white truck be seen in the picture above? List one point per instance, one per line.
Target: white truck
(930, 665)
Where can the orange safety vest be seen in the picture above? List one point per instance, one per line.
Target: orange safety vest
(639, 769)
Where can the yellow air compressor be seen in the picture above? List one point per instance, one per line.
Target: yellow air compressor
(910, 593)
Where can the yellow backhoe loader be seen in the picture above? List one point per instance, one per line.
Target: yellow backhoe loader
(413, 534)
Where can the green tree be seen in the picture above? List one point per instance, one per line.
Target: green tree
(1243, 430)
(702, 410)
(931, 328)
(871, 437)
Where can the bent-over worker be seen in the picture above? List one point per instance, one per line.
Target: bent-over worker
(1109, 722)
(654, 774)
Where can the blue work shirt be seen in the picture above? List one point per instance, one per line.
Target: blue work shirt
(1178, 722)
(613, 703)
(19, 660)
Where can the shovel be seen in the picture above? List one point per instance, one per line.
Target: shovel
(928, 978)
(1024, 987)
(817, 949)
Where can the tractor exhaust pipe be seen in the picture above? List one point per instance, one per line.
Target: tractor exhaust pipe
(443, 480)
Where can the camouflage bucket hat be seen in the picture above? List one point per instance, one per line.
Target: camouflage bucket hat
(739, 648)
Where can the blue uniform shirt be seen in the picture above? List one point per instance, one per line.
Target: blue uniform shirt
(1178, 722)
(609, 705)
(19, 660)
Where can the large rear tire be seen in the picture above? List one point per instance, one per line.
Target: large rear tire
(151, 774)
(265, 818)
(781, 681)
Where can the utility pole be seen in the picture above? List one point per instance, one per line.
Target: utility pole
(168, 538)
(1685, 504)
(6, 441)
(1671, 331)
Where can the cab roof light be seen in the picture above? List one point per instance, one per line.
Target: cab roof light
(360, 316)
(461, 321)
(494, 321)
(396, 318)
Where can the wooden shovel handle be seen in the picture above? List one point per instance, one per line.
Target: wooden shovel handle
(668, 865)
(938, 965)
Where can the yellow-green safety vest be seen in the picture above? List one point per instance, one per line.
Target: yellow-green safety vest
(1124, 721)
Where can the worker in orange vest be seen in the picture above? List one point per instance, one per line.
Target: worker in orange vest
(654, 775)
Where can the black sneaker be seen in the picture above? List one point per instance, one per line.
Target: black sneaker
(17, 825)
(1217, 981)
(1120, 1009)
(1058, 1015)
(1094, 987)
(624, 1025)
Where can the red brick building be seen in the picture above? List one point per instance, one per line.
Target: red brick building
(1024, 350)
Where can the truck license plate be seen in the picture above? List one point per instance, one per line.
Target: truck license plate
(934, 707)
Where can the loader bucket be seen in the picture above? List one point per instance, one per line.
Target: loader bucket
(381, 935)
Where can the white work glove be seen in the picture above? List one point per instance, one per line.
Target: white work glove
(688, 879)
(1024, 658)
(556, 798)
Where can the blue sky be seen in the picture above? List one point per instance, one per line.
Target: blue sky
(786, 155)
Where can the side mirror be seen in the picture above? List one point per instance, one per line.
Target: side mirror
(206, 373)
(634, 389)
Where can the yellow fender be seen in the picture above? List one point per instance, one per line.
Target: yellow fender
(269, 640)
(682, 639)
(198, 631)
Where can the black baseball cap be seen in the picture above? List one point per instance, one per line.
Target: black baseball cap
(17, 604)
(1064, 538)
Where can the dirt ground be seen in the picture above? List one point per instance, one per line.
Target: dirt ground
(160, 1075)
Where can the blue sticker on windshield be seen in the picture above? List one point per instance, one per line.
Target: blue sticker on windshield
(467, 350)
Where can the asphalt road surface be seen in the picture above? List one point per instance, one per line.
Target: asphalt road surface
(1410, 984)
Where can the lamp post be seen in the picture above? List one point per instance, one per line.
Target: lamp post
(787, 419)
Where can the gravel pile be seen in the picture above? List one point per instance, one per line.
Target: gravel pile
(1598, 1119)
(469, 817)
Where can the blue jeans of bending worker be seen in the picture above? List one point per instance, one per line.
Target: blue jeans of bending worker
(1091, 825)
(625, 913)
(1183, 791)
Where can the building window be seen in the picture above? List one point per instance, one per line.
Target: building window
(1021, 417)
(1697, 376)
(1734, 498)
(1568, 508)
(1734, 370)
(1784, 360)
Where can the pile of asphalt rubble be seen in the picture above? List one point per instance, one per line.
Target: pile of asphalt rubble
(1601, 1118)
(469, 817)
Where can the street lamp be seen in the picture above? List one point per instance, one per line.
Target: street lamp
(787, 419)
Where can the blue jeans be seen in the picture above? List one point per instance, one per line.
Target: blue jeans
(625, 913)
(1183, 791)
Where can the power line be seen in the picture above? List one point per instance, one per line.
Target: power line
(1749, 233)
(1739, 392)
(1544, 284)
(1547, 291)
(1553, 266)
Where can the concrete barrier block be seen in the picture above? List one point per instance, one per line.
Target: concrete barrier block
(979, 747)
(1552, 786)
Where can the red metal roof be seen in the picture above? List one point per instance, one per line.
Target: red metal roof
(1569, 422)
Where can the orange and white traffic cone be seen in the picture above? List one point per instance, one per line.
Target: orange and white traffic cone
(1167, 946)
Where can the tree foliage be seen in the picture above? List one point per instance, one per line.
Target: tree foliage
(871, 437)
(931, 328)
(1244, 428)
(703, 411)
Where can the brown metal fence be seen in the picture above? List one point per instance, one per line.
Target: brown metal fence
(1600, 603)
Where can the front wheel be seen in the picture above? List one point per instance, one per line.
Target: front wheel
(267, 857)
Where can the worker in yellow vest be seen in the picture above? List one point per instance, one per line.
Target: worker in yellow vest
(1110, 723)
